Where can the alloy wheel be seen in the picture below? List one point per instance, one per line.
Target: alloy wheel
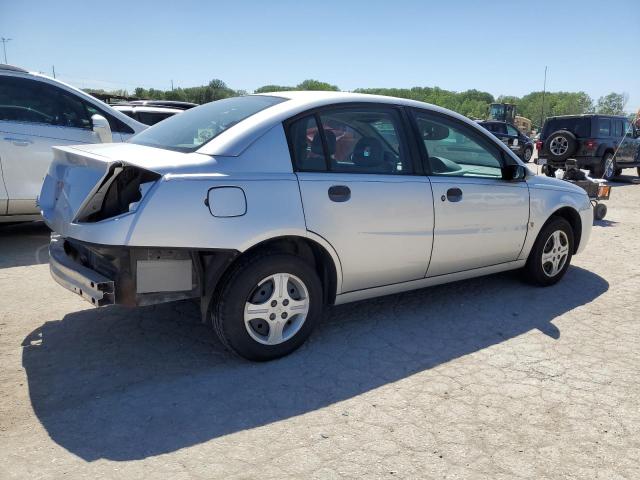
(276, 309)
(559, 146)
(555, 253)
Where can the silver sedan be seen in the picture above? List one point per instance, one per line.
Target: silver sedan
(265, 208)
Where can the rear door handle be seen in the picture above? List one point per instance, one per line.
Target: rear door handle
(454, 195)
(339, 193)
(20, 142)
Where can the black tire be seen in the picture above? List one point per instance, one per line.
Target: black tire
(618, 172)
(526, 155)
(638, 170)
(599, 211)
(549, 171)
(534, 272)
(227, 310)
(560, 145)
(600, 170)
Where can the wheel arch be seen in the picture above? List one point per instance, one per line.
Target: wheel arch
(314, 251)
(572, 216)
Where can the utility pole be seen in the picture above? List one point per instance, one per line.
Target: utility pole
(4, 46)
(544, 90)
(172, 85)
(53, 68)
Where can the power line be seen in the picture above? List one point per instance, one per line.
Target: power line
(4, 46)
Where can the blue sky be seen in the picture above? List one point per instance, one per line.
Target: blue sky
(497, 46)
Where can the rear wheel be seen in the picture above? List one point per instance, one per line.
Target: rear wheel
(551, 254)
(267, 306)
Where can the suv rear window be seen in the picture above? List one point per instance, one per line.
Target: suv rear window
(579, 126)
(190, 130)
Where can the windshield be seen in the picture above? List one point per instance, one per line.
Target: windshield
(195, 127)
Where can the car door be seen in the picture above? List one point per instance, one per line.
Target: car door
(480, 219)
(514, 140)
(361, 192)
(34, 117)
(627, 144)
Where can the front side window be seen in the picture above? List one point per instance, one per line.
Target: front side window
(192, 129)
(604, 127)
(454, 149)
(23, 100)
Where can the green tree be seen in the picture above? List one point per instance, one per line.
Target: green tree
(316, 85)
(612, 104)
(273, 88)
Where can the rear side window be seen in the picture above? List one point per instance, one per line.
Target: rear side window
(604, 127)
(368, 139)
(306, 145)
(192, 129)
(579, 126)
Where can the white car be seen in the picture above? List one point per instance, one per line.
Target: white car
(267, 207)
(151, 112)
(37, 113)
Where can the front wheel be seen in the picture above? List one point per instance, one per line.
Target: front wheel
(551, 254)
(267, 306)
(607, 167)
(527, 154)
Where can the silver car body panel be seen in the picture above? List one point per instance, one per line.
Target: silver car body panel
(394, 234)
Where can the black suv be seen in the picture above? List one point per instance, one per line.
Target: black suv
(517, 141)
(604, 144)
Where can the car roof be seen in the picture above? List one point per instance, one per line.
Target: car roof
(236, 139)
(585, 115)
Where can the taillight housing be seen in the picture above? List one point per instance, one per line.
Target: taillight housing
(591, 144)
(539, 145)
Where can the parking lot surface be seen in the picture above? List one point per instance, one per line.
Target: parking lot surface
(486, 378)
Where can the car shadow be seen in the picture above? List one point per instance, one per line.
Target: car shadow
(23, 244)
(128, 384)
(605, 223)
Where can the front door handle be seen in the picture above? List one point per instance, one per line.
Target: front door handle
(20, 142)
(454, 195)
(339, 193)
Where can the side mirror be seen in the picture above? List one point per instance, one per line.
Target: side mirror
(514, 173)
(100, 126)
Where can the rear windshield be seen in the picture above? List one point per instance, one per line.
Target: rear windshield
(195, 127)
(579, 126)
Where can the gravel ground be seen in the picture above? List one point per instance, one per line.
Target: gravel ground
(487, 378)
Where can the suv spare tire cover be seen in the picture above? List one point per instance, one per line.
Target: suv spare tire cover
(563, 143)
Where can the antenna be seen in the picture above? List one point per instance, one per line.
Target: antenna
(4, 46)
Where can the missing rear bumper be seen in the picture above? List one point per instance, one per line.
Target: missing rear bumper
(89, 284)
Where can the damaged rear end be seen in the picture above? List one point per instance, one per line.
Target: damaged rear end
(91, 201)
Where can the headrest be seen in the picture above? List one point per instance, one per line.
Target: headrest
(316, 143)
(368, 152)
